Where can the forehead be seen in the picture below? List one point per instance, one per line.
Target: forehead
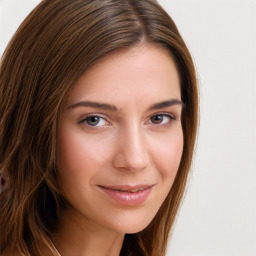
(145, 71)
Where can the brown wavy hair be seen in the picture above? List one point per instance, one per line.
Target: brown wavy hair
(53, 47)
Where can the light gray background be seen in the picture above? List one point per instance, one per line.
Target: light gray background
(218, 215)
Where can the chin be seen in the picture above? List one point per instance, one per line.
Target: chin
(134, 230)
(132, 224)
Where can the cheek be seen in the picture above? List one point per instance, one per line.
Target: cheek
(80, 157)
(167, 155)
(73, 155)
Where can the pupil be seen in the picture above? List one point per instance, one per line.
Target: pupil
(93, 120)
(157, 119)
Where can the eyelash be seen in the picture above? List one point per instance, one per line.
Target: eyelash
(171, 118)
(164, 115)
(84, 120)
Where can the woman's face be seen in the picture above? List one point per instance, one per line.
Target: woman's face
(120, 139)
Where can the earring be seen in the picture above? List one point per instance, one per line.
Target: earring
(2, 183)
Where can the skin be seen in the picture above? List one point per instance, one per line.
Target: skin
(129, 143)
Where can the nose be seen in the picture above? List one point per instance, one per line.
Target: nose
(132, 151)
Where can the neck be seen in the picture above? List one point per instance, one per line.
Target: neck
(75, 236)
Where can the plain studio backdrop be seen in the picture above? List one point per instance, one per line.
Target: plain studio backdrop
(218, 214)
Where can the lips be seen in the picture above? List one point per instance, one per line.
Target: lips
(129, 189)
(128, 195)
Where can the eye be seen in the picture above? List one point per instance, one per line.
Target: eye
(95, 121)
(161, 119)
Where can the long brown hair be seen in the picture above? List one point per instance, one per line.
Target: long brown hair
(53, 47)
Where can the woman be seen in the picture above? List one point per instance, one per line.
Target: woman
(98, 123)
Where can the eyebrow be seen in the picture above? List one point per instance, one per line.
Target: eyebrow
(166, 103)
(159, 105)
(94, 105)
